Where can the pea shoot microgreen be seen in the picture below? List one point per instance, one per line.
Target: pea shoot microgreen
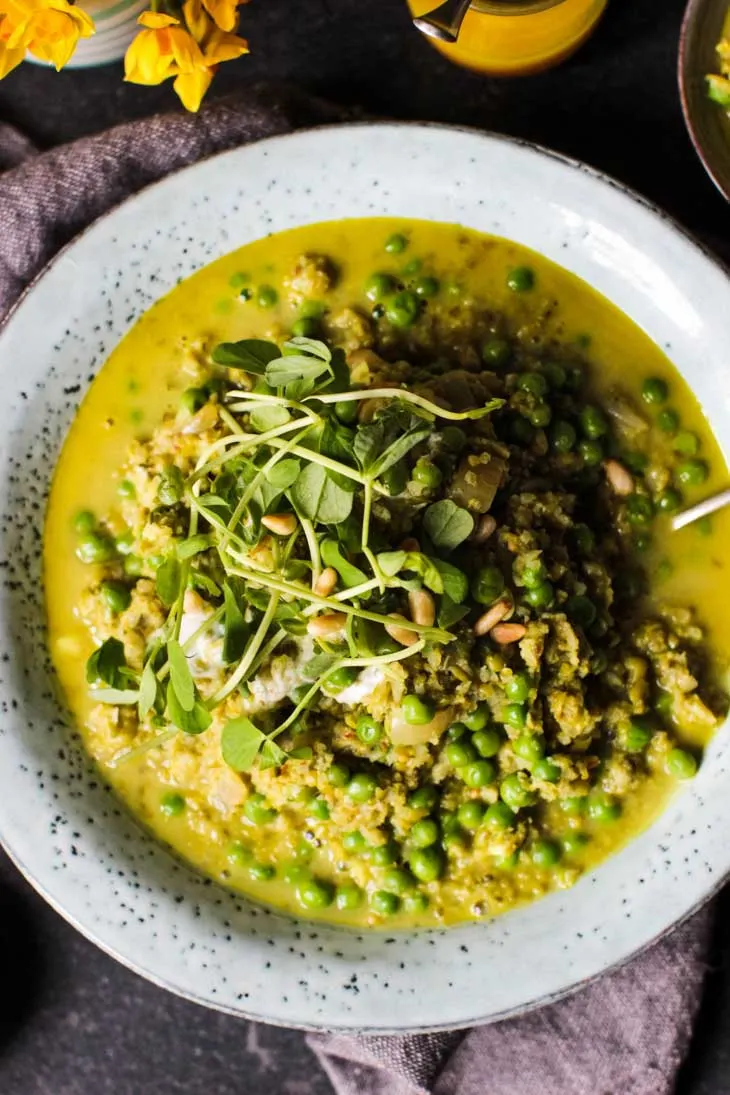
(287, 455)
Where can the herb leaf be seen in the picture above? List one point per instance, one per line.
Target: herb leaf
(193, 546)
(447, 524)
(250, 354)
(399, 448)
(116, 696)
(267, 416)
(455, 583)
(181, 678)
(450, 613)
(333, 557)
(147, 689)
(318, 498)
(283, 474)
(317, 666)
(272, 756)
(191, 722)
(167, 581)
(107, 664)
(296, 368)
(391, 562)
(240, 744)
(236, 630)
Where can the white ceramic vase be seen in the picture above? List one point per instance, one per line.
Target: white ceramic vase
(116, 26)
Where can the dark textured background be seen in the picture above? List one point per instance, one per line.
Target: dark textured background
(72, 1021)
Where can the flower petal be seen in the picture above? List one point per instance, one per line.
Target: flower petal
(148, 59)
(192, 86)
(10, 59)
(155, 20)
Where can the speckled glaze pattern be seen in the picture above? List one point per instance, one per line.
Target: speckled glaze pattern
(58, 820)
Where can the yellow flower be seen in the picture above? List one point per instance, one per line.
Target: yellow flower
(49, 29)
(224, 12)
(191, 53)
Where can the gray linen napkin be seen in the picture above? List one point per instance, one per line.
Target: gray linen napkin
(625, 1034)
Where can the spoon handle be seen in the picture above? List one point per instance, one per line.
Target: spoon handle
(702, 509)
(444, 22)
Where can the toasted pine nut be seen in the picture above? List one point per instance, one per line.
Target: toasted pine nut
(329, 626)
(410, 544)
(326, 582)
(508, 633)
(485, 527)
(619, 477)
(491, 617)
(423, 607)
(282, 524)
(401, 633)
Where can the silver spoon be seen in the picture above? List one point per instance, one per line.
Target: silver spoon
(702, 509)
(445, 21)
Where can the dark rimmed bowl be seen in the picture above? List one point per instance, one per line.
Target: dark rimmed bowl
(708, 123)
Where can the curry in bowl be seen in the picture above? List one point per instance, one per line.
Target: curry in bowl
(360, 577)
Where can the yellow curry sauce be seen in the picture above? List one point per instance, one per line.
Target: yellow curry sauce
(158, 360)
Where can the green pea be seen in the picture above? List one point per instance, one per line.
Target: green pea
(478, 718)
(258, 811)
(414, 903)
(521, 279)
(303, 795)
(686, 443)
(663, 705)
(427, 864)
(546, 771)
(427, 286)
(534, 383)
(452, 834)
(496, 352)
(573, 843)
(416, 711)
(499, 816)
(125, 543)
(96, 547)
(591, 453)
(115, 595)
(312, 893)
(521, 430)
(402, 309)
(593, 422)
(305, 328)
(342, 678)
(602, 807)
(362, 787)
(541, 596)
(460, 753)
(639, 509)
(584, 539)
(681, 764)
(319, 810)
(636, 462)
(84, 521)
(384, 855)
(691, 473)
(384, 903)
(453, 438)
(346, 411)
(515, 792)
(470, 815)
(487, 742)
(261, 872)
(338, 775)
(426, 473)
(555, 374)
(267, 296)
(172, 804)
(642, 541)
(514, 715)
(295, 873)
(396, 244)
(654, 390)
(563, 436)
(573, 805)
(395, 479)
(369, 730)
(238, 854)
(133, 566)
(354, 842)
(638, 735)
(379, 286)
(540, 416)
(508, 862)
(479, 774)
(192, 399)
(412, 267)
(487, 585)
(423, 798)
(531, 575)
(581, 610)
(529, 747)
(667, 421)
(398, 880)
(424, 833)
(126, 489)
(349, 896)
(545, 853)
(456, 731)
(312, 309)
(669, 500)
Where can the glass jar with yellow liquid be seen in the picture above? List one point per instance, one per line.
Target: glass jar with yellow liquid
(513, 37)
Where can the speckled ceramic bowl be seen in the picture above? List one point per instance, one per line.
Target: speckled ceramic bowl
(708, 123)
(59, 822)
